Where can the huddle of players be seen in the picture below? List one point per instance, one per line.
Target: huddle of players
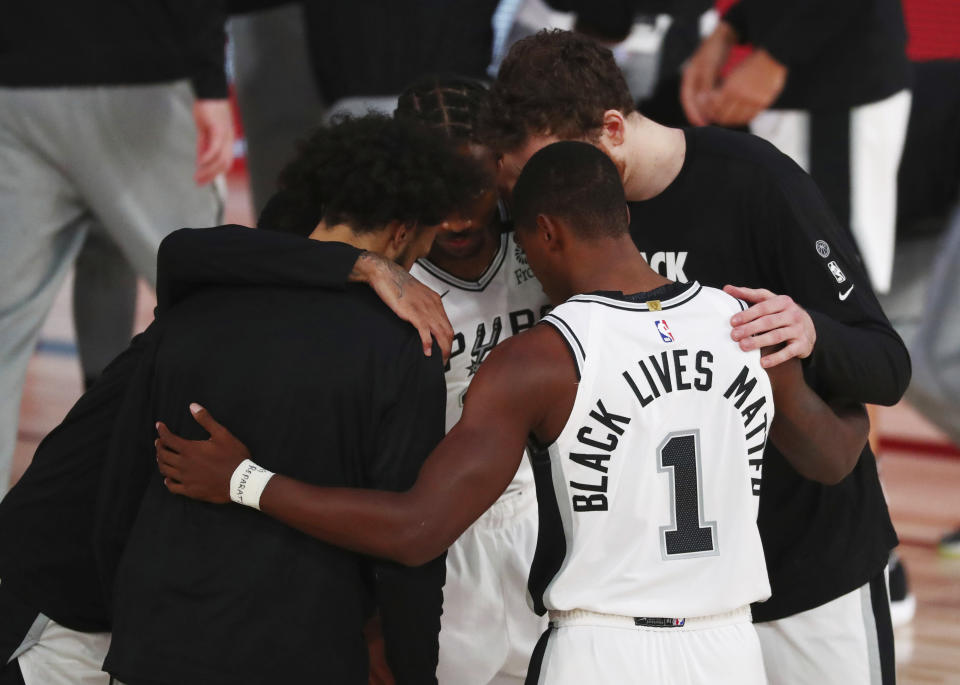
(605, 559)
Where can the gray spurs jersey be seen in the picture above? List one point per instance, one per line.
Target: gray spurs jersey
(504, 301)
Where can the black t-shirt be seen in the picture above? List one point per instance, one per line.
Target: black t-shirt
(325, 387)
(742, 213)
(56, 43)
(365, 48)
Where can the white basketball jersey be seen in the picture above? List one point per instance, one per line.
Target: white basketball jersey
(504, 301)
(649, 496)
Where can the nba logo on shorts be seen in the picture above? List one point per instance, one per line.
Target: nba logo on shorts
(664, 330)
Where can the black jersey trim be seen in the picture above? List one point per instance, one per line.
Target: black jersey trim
(551, 548)
(571, 339)
(625, 303)
(481, 283)
(536, 659)
(880, 604)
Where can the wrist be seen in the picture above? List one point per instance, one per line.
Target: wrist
(726, 33)
(248, 483)
(362, 268)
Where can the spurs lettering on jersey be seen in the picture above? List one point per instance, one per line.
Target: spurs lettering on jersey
(505, 301)
(656, 475)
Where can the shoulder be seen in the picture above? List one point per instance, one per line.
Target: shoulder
(720, 301)
(531, 358)
(757, 158)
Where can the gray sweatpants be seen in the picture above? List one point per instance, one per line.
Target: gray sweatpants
(923, 308)
(117, 161)
(278, 96)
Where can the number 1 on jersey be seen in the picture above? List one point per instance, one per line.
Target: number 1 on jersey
(688, 535)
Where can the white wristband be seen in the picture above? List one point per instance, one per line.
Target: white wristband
(247, 483)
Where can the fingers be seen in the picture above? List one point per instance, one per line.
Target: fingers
(174, 487)
(174, 442)
(215, 159)
(167, 455)
(752, 295)
(170, 472)
(215, 136)
(731, 109)
(202, 416)
(776, 303)
(761, 325)
(789, 352)
(770, 337)
(443, 331)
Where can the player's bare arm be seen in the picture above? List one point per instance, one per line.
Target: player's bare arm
(821, 442)
(410, 299)
(461, 478)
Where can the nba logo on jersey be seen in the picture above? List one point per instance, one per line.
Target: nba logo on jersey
(664, 330)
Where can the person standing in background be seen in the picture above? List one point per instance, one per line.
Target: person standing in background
(277, 93)
(828, 84)
(113, 124)
(297, 63)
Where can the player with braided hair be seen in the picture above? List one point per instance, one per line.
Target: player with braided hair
(448, 104)
(488, 631)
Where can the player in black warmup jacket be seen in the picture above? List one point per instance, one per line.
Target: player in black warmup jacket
(723, 207)
(50, 578)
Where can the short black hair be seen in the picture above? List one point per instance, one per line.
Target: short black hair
(576, 182)
(368, 171)
(451, 105)
(553, 83)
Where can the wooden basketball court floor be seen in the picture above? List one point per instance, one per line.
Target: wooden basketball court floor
(919, 467)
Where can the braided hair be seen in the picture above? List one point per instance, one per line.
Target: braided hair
(452, 105)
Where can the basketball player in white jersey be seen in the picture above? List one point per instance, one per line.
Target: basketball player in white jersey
(649, 423)
(487, 630)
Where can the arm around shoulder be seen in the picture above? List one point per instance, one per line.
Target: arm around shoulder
(821, 442)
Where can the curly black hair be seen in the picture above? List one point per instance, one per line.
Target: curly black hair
(452, 105)
(555, 82)
(368, 171)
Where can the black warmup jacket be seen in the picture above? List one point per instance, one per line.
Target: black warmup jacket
(65, 525)
(740, 212)
(330, 388)
(51, 43)
(839, 54)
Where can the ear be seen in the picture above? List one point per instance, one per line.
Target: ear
(399, 233)
(613, 130)
(551, 232)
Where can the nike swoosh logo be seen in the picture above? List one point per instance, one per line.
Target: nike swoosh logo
(844, 296)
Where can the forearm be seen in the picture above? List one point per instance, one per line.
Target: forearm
(189, 258)
(867, 363)
(389, 525)
(207, 52)
(821, 443)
